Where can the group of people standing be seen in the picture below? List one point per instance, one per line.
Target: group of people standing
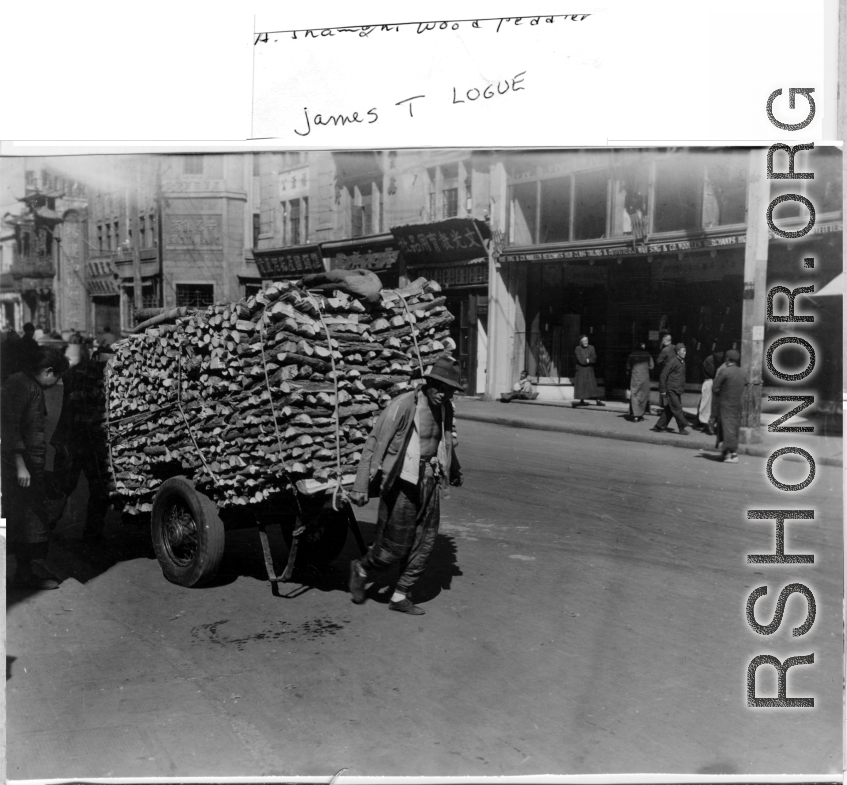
(29, 491)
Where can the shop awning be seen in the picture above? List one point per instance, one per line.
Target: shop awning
(451, 240)
(375, 252)
(289, 262)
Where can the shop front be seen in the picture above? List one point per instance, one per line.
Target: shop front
(102, 282)
(454, 253)
(378, 253)
(621, 294)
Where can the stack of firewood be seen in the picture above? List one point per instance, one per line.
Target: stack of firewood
(277, 389)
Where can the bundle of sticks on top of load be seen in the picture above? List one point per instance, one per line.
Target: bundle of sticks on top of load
(278, 389)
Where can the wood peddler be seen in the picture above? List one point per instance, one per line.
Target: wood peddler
(251, 398)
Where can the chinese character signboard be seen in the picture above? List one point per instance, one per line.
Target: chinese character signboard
(294, 183)
(193, 231)
(377, 254)
(455, 275)
(291, 262)
(453, 240)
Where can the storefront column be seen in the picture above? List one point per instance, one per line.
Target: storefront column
(753, 309)
(501, 298)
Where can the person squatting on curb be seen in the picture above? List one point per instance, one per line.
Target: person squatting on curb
(23, 412)
(409, 453)
(672, 387)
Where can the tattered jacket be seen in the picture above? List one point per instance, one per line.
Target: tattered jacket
(386, 445)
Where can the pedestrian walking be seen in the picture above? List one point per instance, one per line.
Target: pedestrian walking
(81, 442)
(727, 392)
(638, 365)
(585, 383)
(22, 461)
(666, 351)
(672, 386)
(408, 456)
(710, 368)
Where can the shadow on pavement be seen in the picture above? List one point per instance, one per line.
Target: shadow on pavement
(243, 557)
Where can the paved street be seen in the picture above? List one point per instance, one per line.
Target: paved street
(585, 613)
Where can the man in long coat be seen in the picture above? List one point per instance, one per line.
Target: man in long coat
(727, 392)
(410, 453)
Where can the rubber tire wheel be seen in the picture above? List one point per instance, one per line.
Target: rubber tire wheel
(199, 560)
(323, 540)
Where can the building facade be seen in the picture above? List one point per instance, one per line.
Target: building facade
(183, 226)
(627, 246)
(43, 276)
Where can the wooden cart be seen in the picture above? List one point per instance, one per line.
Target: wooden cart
(188, 530)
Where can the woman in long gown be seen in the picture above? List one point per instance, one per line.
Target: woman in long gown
(584, 383)
(639, 364)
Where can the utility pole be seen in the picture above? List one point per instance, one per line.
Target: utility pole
(753, 304)
(135, 238)
(159, 248)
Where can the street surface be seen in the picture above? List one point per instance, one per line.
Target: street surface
(585, 613)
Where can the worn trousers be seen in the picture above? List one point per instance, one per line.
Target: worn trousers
(406, 529)
(672, 410)
(67, 468)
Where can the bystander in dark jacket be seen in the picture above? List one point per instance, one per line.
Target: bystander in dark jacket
(81, 443)
(672, 387)
(23, 455)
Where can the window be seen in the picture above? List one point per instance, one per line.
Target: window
(198, 295)
(255, 164)
(451, 202)
(305, 201)
(117, 236)
(154, 236)
(824, 192)
(252, 288)
(142, 231)
(524, 213)
(193, 164)
(363, 213)
(725, 194)
(108, 237)
(294, 218)
(432, 205)
(99, 237)
(589, 221)
(555, 210)
(256, 230)
(30, 178)
(679, 189)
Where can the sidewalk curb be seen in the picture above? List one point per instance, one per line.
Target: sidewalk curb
(753, 450)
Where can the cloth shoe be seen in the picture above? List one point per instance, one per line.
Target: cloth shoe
(731, 457)
(406, 606)
(685, 431)
(659, 428)
(357, 583)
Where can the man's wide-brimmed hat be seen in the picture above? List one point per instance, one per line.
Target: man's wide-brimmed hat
(733, 355)
(445, 369)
